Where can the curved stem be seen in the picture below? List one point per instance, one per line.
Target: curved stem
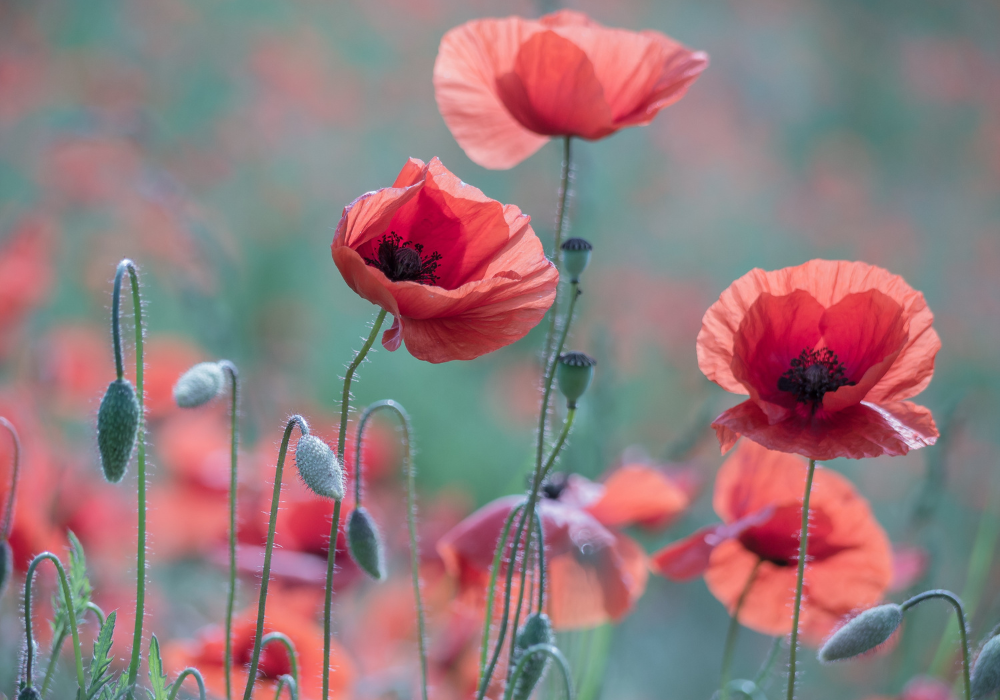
(70, 612)
(289, 682)
(8, 516)
(803, 552)
(549, 651)
(734, 627)
(550, 373)
(189, 671)
(564, 188)
(269, 548)
(411, 514)
(331, 557)
(962, 627)
(293, 656)
(234, 379)
(490, 591)
(140, 576)
(765, 668)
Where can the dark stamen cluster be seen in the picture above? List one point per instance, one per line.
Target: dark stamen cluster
(554, 485)
(812, 374)
(403, 261)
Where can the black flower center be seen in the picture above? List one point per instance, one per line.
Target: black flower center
(404, 261)
(812, 374)
(554, 485)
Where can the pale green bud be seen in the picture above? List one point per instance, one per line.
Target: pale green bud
(365, 544)
(319, 467)
(862, 633)
(199, 385)
(537, 629)
(986, 672)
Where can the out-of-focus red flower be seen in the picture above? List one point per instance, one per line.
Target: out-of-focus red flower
(595, 572)
(167, 358)
(504, 86)
(207, 653)
(758, 495)
(922, 688)
(827, 351)
(25, 271)
(462, 274)
(91, 170)
(74, 364)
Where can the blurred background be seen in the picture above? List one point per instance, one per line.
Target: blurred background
(216, 143)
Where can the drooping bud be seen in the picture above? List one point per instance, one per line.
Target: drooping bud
(576, 257)
(574, 373)
(6, 565)
(862, 633)
(986, 672)
(537, 629)
(117, 425)
(199, 385)
(319, 467)
(29, 692)
(365, 544)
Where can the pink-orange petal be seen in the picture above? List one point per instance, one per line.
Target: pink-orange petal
(636, 493)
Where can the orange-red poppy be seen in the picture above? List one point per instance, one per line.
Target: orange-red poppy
(504, 86)
(26, 271)
(827, 351)
(596, 573)
(461, 274)
(758, 495)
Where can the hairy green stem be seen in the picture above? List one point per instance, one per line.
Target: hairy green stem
(734, 628)
(189, 671)
(53, 656)
(287, 681)
(331, 557)
(268, 549)
(293, 655)
(234, 432)
(540, 532)
(550, 651)
(70, 612)
(490, 591)
(550, 373)
(962, 627)
(800, 577)
(8, 516)
(564, 189)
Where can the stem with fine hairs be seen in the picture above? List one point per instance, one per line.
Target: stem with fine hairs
(803, 552)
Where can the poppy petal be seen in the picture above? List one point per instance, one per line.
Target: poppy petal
(636, 493)
(687, 558)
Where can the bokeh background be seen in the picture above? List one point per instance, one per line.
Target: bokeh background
(217, 142)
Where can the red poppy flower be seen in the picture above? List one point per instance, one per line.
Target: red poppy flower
(504, 86)
(462, 274)
(922, 688)
(595, 573)
(758, 495)
(827, 351)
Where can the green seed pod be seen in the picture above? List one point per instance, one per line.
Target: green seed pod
(365, 544)
(117, 425)
(862, 633)
(574, 373)
(199, 385)
(537, 629)
(576, 257)
(986, 672)
(29, 692)
(319, 467)
(6, 565)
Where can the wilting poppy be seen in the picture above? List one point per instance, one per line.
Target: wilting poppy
(462, 274)
(758, 495)
(504, 86)
(596, 574)
(827, 351)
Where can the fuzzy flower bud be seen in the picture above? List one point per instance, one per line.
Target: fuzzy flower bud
(6, 565)
(117, 426)
(319, 467)
(537, 629)
(862, 633)
(986, 673)
(199, 385)
(29, 692)
(576, 257)
(365, 544)
(573, 374)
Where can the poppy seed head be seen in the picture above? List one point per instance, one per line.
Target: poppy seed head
(576, 257)
(573, 374)
(862, 633)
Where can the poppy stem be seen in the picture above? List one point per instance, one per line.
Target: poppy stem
(140, 576)
(70, 613)
(269, 548)
(731, 633)
(564, 190)
(803, 551)
(550, 651)
(234, 428)
(411, 514)
(550, 373)
(8, 516)
(189, 671)
(494, 570)
(331, 556)
(962, 627)
(293, 656)
(53, 657)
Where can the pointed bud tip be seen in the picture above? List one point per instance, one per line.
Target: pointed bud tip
(199, 385)
(29, 693)
(117, 427)
(365, 544)
(319, 467)
(986, 672)
(862, 633)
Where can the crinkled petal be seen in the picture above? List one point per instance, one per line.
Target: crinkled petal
(636, 493)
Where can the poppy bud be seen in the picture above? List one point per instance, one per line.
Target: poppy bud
(536, 630)
(319, 467)
(986, 673)
(862, 633)
(6, 565)
(199, 385)
(29, 692)
(117, 425)
(574, 373)
(576, 257)
(365, 544)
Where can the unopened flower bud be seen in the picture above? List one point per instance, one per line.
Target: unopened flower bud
(6, 565)
(365, 544)
(862, 633)
(117, 425)
(319, 467)
(576, 257)
(29, 692)
(199, 385)
(986, 672)
(537, 629)
(574, 373)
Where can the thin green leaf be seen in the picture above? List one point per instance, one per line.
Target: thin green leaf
(79, 586)
(101, 662)
(157, 678)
